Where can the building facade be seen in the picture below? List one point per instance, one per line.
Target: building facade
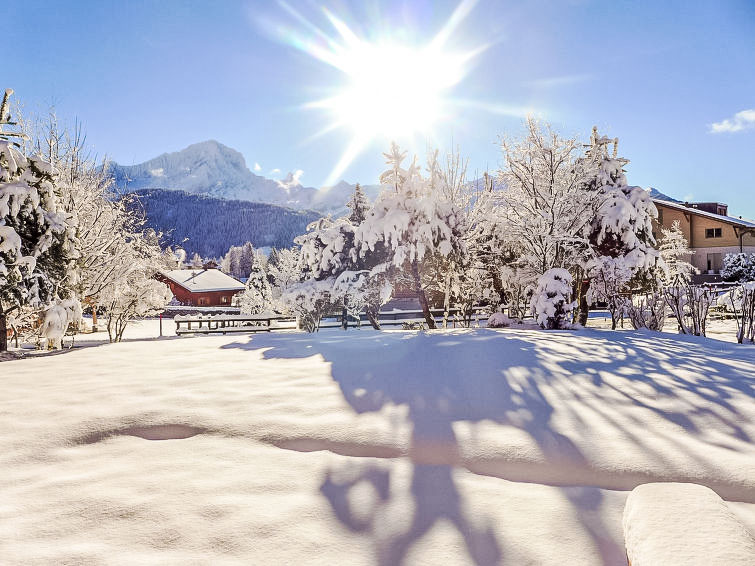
(711, 234)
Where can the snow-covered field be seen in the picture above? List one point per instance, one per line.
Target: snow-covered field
(446, 447)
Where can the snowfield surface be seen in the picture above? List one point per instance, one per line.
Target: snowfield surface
(447, 447)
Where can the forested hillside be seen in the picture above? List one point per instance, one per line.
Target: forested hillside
(209, 226)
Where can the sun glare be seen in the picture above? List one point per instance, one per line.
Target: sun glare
(393, 90)
(390, 89)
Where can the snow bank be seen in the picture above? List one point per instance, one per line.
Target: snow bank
(683, 524)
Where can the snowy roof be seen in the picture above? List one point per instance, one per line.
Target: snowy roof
(201, 280)
(720, 217)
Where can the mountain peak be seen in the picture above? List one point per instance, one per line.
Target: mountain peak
(211, 168)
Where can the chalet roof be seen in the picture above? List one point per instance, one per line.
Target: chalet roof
(728, 219)
(203, 280)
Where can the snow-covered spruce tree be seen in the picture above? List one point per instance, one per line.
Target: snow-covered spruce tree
(359, 206)
(620, 235)
(36, 244)
(231, 262)
(739, 267)
(551, 305)
(258, 296)
(246, 259)
(410, 222)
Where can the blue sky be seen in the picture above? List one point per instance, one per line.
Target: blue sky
(145, 77)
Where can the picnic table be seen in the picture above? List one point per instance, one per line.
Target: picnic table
(225, 323)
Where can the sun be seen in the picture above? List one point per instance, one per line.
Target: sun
(393, 90)
(390, 90)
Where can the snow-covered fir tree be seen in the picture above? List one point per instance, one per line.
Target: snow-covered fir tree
(258, 296)
(359, 206)
(36, 241)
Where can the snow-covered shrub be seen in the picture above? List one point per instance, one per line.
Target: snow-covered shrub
(310, 301)
(57, 319)
(690, 305)
(499, 320)
(136, 296)
(739, 267)
(647, 311)
(550, 302)
(741, 301)
(609, 276)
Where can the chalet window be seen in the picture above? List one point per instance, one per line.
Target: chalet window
(202, 301)
(713, 232)
(224, 300)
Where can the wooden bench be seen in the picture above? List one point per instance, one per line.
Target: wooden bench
(225, 323)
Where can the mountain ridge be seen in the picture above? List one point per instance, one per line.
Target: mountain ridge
(214, 169)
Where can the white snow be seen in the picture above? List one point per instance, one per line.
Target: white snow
(686, 525)
(361, 447)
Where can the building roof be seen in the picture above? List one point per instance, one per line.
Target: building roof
(203, 280)
(728, 219)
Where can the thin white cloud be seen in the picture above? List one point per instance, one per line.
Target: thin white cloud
(744, 120)
(565, 80)
(275, 171)
(257, 167)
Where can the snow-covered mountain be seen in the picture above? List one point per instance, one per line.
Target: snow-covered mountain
(211, 168)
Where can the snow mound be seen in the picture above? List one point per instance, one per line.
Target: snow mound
(683, 524)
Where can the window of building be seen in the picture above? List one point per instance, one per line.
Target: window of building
(224, 300)
(202, 301)
(713, 232)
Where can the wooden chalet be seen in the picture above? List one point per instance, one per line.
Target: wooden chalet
(202, 287)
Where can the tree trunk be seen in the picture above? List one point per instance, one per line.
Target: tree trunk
(498, 286)
(94, 317)
(584, 307)
(422, 297)
(373, 316)
(3, 332)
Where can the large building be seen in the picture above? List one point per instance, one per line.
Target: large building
(710, 233)
(201, 287)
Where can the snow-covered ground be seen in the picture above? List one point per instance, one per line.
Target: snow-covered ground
(445, 447)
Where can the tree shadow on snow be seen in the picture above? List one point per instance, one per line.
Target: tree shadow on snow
(473, 376)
